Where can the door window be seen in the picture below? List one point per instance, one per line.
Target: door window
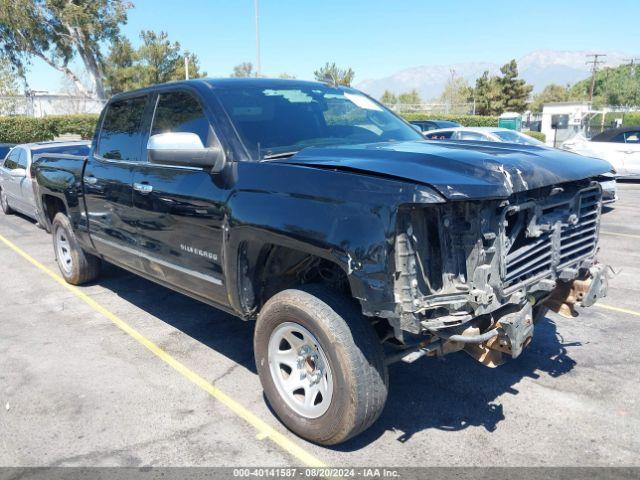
(11, 162)
(120, 133)
(181, 112)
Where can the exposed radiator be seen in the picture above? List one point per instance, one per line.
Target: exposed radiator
(567, 232)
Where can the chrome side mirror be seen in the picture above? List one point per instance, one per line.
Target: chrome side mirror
(184, 149)
(18, 173)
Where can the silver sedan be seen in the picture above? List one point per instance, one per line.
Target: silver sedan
(16, 182)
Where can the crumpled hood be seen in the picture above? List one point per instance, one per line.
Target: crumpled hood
(458, 170)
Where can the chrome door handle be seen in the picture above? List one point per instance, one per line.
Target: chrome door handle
(91, 180)
(143, 188)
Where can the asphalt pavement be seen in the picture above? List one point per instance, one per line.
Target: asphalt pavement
(124, 372)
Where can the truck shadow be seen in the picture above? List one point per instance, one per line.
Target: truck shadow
(214, 328)
(456, 392)
(450, 394)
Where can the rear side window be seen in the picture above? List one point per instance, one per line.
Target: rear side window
(181, 112)
(120, 134)
(439, 135)
(471, 136)
(632, 137)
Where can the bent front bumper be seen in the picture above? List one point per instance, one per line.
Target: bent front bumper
(584, 292)
(512, 332)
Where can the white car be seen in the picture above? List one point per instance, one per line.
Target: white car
(618, 146)
(482, 134)
(504, 135)
(16, 182)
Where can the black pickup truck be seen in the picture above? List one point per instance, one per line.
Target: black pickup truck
(319, 213)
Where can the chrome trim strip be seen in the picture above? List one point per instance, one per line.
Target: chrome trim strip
(146, 163)
(109, 160)
(186, 271)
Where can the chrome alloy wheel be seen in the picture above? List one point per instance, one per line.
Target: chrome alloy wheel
(63, 251)
(300, 370)
(4, 200)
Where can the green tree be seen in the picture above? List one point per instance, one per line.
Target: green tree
(410, 98)
(551, 93)
(514, 91)
(57, 31)
(244, 70)
(333, 75)
(157, 60)
(286, 76)
(456, 95)
(389, 98)
(9, 88)
(487, 95)
(497, 94)
(194, 67)
(121, 71)
(613, 86)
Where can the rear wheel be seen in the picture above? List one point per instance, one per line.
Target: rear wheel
(4, 203)
(76, 265)
(321, 364)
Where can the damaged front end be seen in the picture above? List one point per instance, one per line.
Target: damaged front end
(477, 275)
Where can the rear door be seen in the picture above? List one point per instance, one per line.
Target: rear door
(180, 208)
(108, 179)
(26, 187)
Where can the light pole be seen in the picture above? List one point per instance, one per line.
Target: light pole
(255, 7)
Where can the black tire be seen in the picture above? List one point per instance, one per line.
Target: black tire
(4, 203)
(539, 313)
(82, 267)
(354, 353)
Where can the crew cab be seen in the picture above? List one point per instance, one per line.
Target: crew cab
(350, 239)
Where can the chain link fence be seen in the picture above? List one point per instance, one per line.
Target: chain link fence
(44, 104)
(433, 108)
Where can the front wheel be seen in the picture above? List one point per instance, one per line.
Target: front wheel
(4, 203)
(321, 364)
(76, 265)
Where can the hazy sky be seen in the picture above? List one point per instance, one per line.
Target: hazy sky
(375, 37)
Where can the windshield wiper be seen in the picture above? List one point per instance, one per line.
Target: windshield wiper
(271, 156)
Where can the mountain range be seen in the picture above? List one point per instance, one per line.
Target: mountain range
(539, 68)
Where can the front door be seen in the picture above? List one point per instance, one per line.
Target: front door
(108, 179)
(629, 153)
(10, 187)
(180, 209)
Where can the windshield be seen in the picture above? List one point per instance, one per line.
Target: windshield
(282, 121)
(3, 152)
(511, 136)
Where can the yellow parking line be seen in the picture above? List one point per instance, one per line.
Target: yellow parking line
(264, 430)
(628, 235)
(617, 309)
